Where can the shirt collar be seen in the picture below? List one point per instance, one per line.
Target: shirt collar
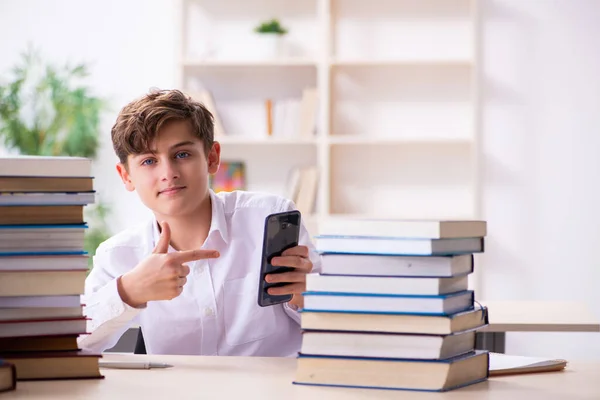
(218, 222)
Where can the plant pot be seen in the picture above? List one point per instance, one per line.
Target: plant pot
(268, 46)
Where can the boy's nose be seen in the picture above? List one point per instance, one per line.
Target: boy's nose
(169, 171)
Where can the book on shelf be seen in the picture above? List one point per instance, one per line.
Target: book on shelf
(302, 188)
(206, 98)
(391, 308)
(43, 266)
(293, 117)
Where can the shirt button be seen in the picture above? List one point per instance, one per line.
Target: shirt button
(200, 269)
(209, 312)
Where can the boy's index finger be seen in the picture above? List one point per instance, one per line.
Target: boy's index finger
(193, 255)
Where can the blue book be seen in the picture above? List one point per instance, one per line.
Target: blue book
(393, 374)
(389, 304)
(398, 245)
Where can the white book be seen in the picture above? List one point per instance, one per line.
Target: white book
(36, 199)
(427, 229)
(45, 166)
(375, 265)
(386, 345)
(359, 302)
(43, 262)
(385, 284)
(397, 246)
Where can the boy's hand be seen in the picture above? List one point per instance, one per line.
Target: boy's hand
(161, 275)
(297, 258)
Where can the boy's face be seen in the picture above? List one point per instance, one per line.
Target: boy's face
(172, 179)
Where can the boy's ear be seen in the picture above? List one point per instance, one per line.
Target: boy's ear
(214, 158)
(124, 174)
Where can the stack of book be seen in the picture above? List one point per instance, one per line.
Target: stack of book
(391, 307)
(43, 266)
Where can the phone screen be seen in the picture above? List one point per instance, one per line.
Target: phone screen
(282, 231)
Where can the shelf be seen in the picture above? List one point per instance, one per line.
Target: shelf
(261, 140)
(275, 63)
(365, 140)
(374, 63)
(398, 107)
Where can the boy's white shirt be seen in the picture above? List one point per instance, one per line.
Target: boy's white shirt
(217, 312)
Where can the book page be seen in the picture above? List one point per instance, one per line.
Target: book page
(504, 362)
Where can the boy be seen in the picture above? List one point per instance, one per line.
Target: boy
(189, 277)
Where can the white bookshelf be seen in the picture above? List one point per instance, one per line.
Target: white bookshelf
(398, 118)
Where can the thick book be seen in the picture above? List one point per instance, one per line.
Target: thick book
(45, 166)
(394, 323)
(385, 265)
(25, 328)
(45, 185)
(37, 313)
(55, 365)
(8, 376)
(386, 284)
(376, 303)
(41, 238)
(426, 229)
(41, 215)
(387, 345)
(42, 283)
(397, 374)
(39, 343)
(398, 245)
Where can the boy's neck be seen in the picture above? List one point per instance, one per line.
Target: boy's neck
(190, 231)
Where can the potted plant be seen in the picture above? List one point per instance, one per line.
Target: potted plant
(270, 39)
(46, 110)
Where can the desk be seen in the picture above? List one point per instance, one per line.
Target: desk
(205, 377)
(533, 316)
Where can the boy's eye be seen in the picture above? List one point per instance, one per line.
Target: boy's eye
(148, 161)
(182, 154)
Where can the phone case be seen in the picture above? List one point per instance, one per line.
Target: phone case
(281, 232)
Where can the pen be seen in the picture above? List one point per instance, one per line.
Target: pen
(132, 364)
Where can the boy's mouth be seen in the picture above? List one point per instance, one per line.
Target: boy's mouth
(171, 190)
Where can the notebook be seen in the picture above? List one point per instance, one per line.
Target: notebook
(503, 364)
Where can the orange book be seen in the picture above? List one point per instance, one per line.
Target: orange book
(269, 106)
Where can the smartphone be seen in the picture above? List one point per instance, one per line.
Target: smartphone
(281, 232)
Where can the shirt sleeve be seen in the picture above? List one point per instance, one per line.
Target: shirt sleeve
(108, 316)
(313, 254)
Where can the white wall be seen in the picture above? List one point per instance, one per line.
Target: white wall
(541, 131)
(130, 46)
(541, 138)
